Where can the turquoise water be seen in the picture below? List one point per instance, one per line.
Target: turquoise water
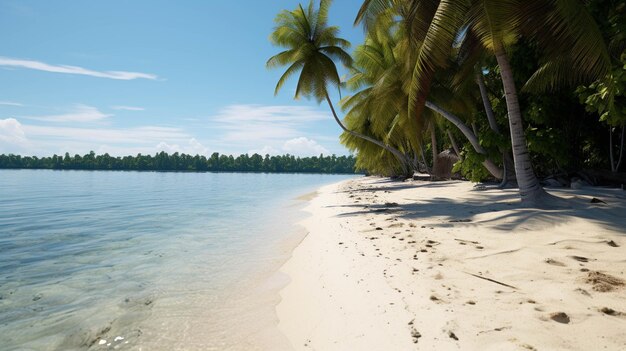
(131, 260)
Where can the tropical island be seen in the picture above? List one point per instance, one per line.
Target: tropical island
(163, 161)
(464, 189)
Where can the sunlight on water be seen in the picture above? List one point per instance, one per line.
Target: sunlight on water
(128, 260)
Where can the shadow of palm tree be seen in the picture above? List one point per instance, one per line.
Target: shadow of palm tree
(507, 212)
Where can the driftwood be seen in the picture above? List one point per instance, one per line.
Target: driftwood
(491, 280)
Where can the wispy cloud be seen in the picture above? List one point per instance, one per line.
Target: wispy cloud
(127, 108)
(301, 146)
(304, 147)
(79, 113)
(262, 124)
(10, 103)
(191, 147)
(43, 140)
(67, 69)
(151, 135)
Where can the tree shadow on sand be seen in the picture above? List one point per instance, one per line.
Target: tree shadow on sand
(507, 212)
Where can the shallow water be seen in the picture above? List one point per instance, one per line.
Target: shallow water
(144, 260)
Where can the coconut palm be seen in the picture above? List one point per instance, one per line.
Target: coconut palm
(572, 44)
(381, 73)
(312, 48)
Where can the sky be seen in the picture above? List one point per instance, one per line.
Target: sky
(143, 76)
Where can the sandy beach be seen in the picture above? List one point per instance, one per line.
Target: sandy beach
(444, 266)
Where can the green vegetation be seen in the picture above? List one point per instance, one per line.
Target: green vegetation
(185, 163)
(521, 90)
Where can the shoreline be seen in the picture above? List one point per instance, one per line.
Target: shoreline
(406, 265)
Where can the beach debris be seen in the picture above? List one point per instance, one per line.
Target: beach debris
(491, 280)
(102, 342)
(118, 338)
(391, 204)
(612, 243)
(580, 258)
(379, 228)
(415, 334)
(554, 262)
(467, 241)
(560, 317)
(610, 311)
(603, 282)
(463, 220)
(583, 291)
(595, 200)
(453, 336)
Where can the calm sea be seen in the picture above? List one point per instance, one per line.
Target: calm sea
(143, 260)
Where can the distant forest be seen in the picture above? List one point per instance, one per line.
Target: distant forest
(185, 163)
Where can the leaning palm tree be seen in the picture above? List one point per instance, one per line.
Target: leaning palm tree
(312, 46)
(572, 44)
(381, 74)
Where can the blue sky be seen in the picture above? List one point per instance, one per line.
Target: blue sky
(125, 77)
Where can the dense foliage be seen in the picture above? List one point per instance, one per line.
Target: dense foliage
(521, 90)
(186, 163)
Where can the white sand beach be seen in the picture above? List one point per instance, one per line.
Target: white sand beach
(441, 266)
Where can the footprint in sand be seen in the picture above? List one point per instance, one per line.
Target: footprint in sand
(560, 317)
(610, 311)
(580, 258)
(603, 282)
(554, 262)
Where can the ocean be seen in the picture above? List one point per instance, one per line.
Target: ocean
(145, 260)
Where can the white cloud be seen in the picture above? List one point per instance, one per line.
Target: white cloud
(148, 135)
(304, 147)
(264, 151)
(42, 66)
(12, 136)
(269, 114)
(301, 146)
(263, 125)
(10, 103)
(193, 147)
(127, 108)
(80, 113)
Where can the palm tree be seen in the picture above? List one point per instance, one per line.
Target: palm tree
(312, 46)
(572, 44)
(382, 72)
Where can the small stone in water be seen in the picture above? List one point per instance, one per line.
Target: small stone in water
(118, 338)
(102, 342)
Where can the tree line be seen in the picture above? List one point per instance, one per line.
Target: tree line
(163, 161)
(518, 89)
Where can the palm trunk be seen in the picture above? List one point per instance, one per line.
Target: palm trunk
(621, 151)
(509, 172)
(486, 103)
(399, 155)
(424, 159)
(489, 165)
(454, 145)
(611, 159)
(434, 149)
(529, 187)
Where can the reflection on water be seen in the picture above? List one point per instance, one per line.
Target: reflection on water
(128, 260)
